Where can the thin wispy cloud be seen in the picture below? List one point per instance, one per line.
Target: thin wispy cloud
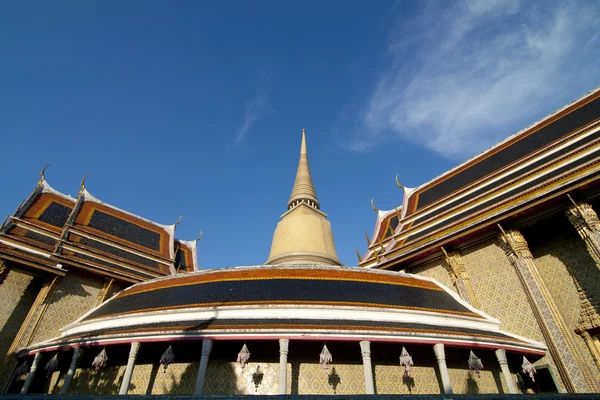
(254, 110)
(461, 73)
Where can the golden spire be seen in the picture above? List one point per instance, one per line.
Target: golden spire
(303, 236)
(303, 186)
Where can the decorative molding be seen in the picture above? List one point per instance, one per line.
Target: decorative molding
(459, 277)
(585, 221)
(551, 324)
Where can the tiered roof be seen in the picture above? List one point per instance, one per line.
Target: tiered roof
(548, 159)
(51, 229)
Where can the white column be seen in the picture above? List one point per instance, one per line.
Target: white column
(365, 348)
(71, 372)
(36, 360)
(206, 348)
(501, 356)
(440, 355)
(135, 346)
(283, 356)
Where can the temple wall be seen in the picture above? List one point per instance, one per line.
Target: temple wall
(178, 378)
(228, 377)
(434, 269)
(498, 289)
(465, 381)
(390, 377)
(106, 381)
(553, 253)
(15, 302)
(75, 294)
(338, 379)
(500, 293)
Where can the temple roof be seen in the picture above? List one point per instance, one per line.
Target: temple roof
(556, 155)
(50, 229)
(307, 302)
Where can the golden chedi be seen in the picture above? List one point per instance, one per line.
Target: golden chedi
(303, 236)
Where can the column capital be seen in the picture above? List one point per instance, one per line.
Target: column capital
(582, 215)
(365, 347)
(135, 346)
(512, 241)
(501, 356)
(206, 347)
(440, 354)
(284, 345)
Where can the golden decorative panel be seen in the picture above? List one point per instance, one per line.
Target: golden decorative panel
(434, 269)
(500, 293)
(178, 378)
(390, 379)
(74, 296)
(498, 289)
(226, 377)
(15, 302)
(106, 381)
(464, 381)
(389, 376)
(338, 379)
(553, 253)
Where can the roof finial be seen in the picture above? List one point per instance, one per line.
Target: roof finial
(43, 175)
(303, 146)
(199, 237)
(373, 205)
(358, 255)
(398, 183)
(177, 223)
(368, 240)
(83, 184)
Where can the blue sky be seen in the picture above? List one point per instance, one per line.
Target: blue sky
(197, 107)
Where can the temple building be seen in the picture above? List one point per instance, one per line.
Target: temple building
(482, 281)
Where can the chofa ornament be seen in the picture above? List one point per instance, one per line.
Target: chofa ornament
(243, 356)
(475, 363)
(325, 358)
(406, 361)
(528, 368)
(100, 360)
(167, 358)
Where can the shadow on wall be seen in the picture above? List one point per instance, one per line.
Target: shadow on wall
(567, 246)
(390, 377)
(20, 290)
(261, 375)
